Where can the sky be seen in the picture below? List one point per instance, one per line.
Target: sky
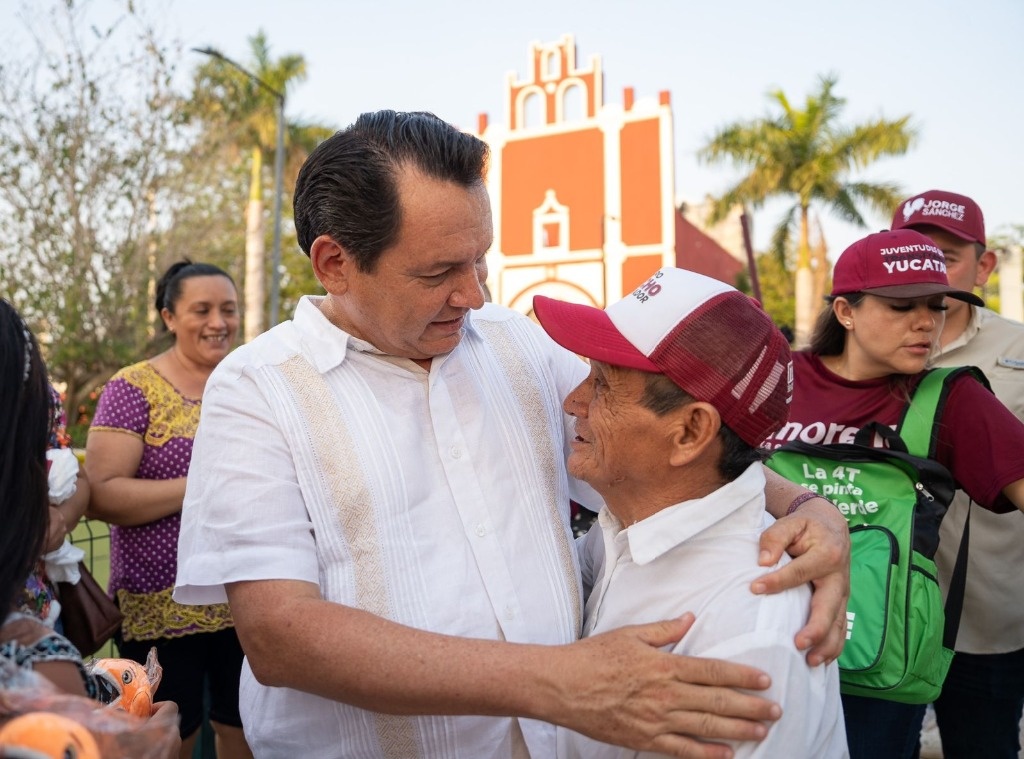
(956, 68)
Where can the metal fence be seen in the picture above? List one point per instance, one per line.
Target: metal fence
(93, 537)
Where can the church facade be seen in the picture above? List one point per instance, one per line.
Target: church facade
(583, 191)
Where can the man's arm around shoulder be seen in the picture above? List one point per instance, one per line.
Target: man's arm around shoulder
(617, 687)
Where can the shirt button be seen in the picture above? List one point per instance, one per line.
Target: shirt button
(456, 452)
(481, 530)
(510, 612)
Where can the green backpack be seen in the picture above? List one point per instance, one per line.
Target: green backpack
(899, 639)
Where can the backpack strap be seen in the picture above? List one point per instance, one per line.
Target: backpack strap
(957, 585)
(919, 429)
(919, 426)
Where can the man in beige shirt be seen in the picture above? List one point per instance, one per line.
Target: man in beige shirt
(980, 707)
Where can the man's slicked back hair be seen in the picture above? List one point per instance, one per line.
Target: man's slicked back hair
(348, 187)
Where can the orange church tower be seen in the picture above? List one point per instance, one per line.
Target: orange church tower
(582, 192)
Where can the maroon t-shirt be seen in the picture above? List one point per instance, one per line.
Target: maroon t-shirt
(980, 441)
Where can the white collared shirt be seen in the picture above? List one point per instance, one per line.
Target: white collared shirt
(701, 556)
(435, 499)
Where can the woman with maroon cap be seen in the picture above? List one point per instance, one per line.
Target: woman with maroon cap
(869, 350)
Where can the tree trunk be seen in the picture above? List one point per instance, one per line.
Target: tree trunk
(804, 287)
(72, 391)
(821, 267)
(154, 317)
(255, 251)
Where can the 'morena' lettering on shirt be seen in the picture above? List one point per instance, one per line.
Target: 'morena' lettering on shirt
(815, 432)
(818, 433)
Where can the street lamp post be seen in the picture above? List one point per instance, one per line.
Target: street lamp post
(275, 256)
(275, 267)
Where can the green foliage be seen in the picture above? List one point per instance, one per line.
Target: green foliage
(777, 291)
(90, 135)
(1004, 239)
(222, 92)
(80, 415)
(807, 155)
(297, 278)
(243, 115)
(108, 175)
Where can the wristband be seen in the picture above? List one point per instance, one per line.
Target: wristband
(800, 499)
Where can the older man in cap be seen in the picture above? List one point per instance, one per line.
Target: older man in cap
(687, 377)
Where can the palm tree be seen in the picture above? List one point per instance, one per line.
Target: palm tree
(249, 113)
(807, 154)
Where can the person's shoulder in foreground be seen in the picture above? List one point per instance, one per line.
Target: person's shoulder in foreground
(687, 377)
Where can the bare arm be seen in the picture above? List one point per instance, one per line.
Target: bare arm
(1015, 492)
(818, 539)
(56, 530)
(64, 674)
(118, 497)
(66, 515)
(613, 687)
(73, 509)
(780, 492)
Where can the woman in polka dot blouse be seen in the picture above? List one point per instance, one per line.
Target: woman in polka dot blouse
(137, 458)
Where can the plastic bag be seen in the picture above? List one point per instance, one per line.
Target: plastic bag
(116, 733)
(125, 684)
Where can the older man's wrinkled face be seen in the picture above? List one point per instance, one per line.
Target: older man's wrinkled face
(619, 441)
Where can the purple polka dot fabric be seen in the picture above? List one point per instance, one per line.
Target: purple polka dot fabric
(144, 559)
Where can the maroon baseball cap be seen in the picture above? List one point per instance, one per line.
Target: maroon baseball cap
(956, 214)
(713, 341)
(898, 264)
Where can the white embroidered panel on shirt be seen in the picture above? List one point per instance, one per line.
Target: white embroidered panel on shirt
(332, 446)
(523, 382)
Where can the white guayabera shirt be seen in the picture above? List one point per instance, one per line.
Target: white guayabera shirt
(435, 499)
